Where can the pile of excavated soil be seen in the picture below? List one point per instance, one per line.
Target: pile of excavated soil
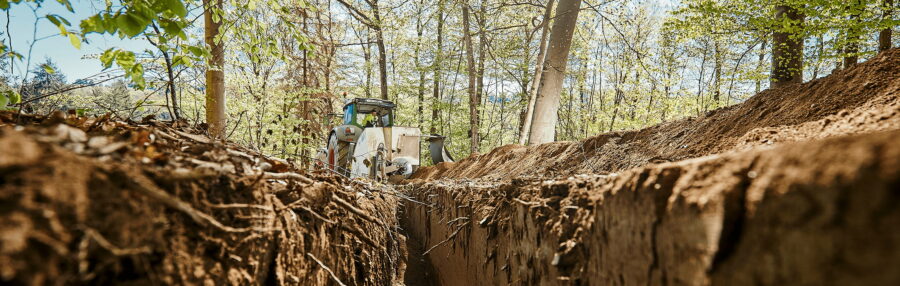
(812, 213)
(99, 201)
(864, 98)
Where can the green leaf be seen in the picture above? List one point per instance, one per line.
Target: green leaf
(47, 68)
(75, 41)
(177, 7)
(107, 58)
(67, 4)
(93, 24)
(9, 97)
(4, 4)
(14, 97)
(125, 59)
(131, 24)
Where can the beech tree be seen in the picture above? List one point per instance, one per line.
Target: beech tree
(215, 75)
(787, 46)
(543, 126)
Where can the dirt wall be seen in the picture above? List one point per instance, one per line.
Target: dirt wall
(97, 201)
(812, 213)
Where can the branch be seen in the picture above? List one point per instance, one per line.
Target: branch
(358, 15)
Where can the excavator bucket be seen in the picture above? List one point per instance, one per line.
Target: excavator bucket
(438, 152)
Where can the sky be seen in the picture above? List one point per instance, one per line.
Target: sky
(71, 61)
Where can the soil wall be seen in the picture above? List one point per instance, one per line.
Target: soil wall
(812, 213)
(95, 201)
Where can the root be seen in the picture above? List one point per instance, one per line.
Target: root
(446, 240)
(141, 183)
(333, 277)
(96, 236)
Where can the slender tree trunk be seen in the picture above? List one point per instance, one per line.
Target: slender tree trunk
(473, 85)
(382, 64)
(851, 49)
(884, 37)
(538, 71)
(419, 69)
(479, 84)
(367, 57)
(543, 128)
(762, 58)
(215, 76)
(717, 71)
(438, 58)
(787, 48)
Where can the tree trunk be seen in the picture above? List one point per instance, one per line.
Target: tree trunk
(215, 76)
(538, 71)
(884, 37)
(762, 57)
(382, 63)
(438, 57)
(543, 128)
(473, 88)
(717, 71)
(851, 49)
(421, 91)
(479, 84)
(787, 48)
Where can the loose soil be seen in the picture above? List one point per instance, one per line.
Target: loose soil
(98, 201)
(797, 185)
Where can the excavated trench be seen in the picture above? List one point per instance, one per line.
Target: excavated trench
(816, 213)
(797, 185)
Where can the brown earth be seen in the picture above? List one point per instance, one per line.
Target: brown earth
(109, 202)
(816, 213)
(796, 186)
(863, 98)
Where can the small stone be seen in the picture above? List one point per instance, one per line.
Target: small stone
(97, 141)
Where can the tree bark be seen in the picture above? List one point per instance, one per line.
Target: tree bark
(787, 48)
(538, 70)
(421, 90)
(215, 76)
(884, 37)
(472, 87)
(438, 58)
(543, 128)
(851, 49)
(382, 55)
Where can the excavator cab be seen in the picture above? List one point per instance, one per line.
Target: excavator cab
(368, 144)
(368, 112)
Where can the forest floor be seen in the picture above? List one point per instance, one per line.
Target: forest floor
(797, 185)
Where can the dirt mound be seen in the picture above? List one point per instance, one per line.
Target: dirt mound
(863, 98)
(110, 202)
(812, 213)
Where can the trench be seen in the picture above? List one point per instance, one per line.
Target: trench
(719, 220)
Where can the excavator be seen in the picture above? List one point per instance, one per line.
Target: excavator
(368, 145)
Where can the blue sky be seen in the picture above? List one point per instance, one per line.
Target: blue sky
(58, 48)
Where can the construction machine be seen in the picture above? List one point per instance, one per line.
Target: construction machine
(368, 145)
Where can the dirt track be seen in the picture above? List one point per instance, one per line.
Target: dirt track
(797, 185)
